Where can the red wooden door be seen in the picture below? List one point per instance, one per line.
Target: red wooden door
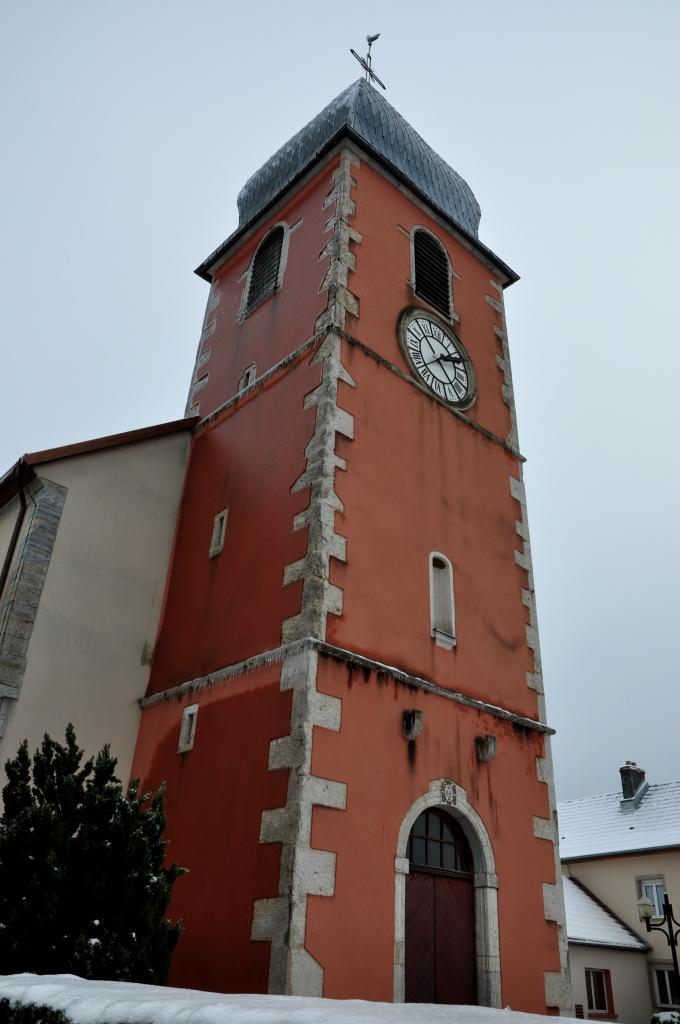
(420, 945)
(440, 939)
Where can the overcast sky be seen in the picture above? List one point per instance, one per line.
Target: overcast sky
(129, 126)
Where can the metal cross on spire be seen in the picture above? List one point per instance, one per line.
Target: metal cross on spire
(366, 61)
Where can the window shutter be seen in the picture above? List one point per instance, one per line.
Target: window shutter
(432, 272)
(264, 274)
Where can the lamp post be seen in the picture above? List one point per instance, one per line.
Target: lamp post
(646, 911)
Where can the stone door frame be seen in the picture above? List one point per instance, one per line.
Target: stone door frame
(447, 795)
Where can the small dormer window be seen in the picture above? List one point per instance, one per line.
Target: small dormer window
(263, 277)
(432, 272)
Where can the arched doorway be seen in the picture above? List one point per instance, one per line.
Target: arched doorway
(446, 795)
(440, 913)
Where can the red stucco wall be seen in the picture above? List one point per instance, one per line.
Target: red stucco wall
(221, 610)
(352, 933)
(418, 480)
(385, 216)
(284, 321)
(215, 795)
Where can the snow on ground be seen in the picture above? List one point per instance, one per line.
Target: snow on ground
(118, 1002)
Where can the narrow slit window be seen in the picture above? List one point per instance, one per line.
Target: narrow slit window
(218, 531)
(187, 729)
(263, 279)
(249, 375)
(432, 272)
(442, 609)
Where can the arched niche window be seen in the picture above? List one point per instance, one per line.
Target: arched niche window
(442, 606)
(264, 275)
(437, 842)
(432, 272)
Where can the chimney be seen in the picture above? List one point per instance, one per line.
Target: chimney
(633, 785)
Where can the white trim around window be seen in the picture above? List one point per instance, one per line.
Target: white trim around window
(653, 889)
(442, 602)
(666, 995)
(187, 728)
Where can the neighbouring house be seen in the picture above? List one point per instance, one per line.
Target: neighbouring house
(606, 959)
(615, 848)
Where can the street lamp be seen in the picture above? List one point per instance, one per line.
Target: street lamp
(646, 912)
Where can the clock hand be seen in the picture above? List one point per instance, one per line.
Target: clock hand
(443, 359)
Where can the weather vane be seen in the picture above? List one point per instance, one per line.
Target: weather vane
(366, 62)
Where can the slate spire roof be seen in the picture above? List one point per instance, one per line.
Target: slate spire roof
(361, 111)
(362, 114)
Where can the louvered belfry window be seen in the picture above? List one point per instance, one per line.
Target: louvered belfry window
(264, 274)
(433, 281)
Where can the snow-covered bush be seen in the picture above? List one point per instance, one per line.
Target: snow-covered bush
(83, 889)
(666, 1017)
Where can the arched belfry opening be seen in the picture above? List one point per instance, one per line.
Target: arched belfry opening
(446, 906)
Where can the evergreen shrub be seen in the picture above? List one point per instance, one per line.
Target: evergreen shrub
(29, 1013)
(83, 887)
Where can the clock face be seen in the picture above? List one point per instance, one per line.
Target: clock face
(437, 357)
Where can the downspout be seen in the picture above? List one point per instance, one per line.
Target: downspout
(20, 467)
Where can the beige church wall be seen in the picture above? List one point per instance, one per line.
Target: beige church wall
(629, 977)
(8, 517)
(614, 880)
(95, 627)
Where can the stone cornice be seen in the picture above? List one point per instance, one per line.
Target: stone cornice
(360, 661)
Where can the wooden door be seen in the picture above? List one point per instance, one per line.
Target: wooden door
(440, 939)
(440, 913)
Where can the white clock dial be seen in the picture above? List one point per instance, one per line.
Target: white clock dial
(438, 358)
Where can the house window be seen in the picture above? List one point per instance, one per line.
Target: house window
(263, 276)
(187, 729)
(654, 889)
(666, 986)
(432, 272)
(442, 609)
(599, 990)
(218, 532)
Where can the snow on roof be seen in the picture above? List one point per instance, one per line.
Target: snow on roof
(596, 825)
(589, 924)
(91, 1002)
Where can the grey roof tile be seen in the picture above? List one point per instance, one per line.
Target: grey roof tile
(594, 826)
(366, 113)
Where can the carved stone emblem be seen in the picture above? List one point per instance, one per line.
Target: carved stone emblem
(448, 792)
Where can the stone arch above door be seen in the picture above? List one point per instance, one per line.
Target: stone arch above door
(445, 793)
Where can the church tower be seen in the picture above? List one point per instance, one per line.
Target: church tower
(346, 700)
